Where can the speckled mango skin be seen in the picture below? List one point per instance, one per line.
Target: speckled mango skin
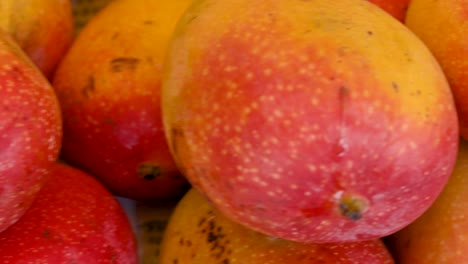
(443, 27)
(439, 235)
(197, 233)
(74, 219)
(108, 85)
(30, 131)
(44, 29)
(282, 112)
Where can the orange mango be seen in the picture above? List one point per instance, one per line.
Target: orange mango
(44, 29)
(108, 86)
(443, 27)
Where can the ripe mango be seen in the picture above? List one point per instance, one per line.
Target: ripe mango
(439, 235)
(197, 233)
(74, 219)
(30, 131)
(108, 85)
(44, 29)
(443, 27)
(315, 121)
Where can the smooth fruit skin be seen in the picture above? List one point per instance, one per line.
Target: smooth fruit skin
(44, 29)
(439, 235)
(314, 121)
(199, 234)
(85, 10)
(30, 131)
(108, 85)
(74, 219)
(443, 27)
(396, 8)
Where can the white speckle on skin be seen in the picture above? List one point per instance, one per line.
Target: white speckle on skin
(338, 195)
(312, 168)
(278, 113)
(230, 68)
(314, 101)
(276, 176)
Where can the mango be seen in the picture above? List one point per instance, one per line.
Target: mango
(30, 131)
(74, 219)
(44, 29)
(314, 121)
(439, 235)
(108, 86)
(197, 233)
(443, 27)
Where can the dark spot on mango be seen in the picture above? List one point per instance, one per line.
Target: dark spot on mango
(409, 57)
(148, 171)
(352, 207)
(115, 35)
(46, 233)
(191, 19)
(176, 135)
(109, 120)
(149, 60)
(124, 64)
(89, 88)
(271, 17)
(215, 238)
(148, 22)
(211, 237)
(395, 86)
(202, 220)
(343, 93)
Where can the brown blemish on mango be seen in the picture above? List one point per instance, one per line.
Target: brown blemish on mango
(353, 207)
(215, 237)
(124, 64)
(148, 171)
(89, 88)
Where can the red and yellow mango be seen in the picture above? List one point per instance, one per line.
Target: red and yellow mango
(314, 121)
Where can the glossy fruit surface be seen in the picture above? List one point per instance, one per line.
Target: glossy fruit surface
(199, 234)
(313, 121)
(44, 29)
(30, 131)
(109, 90)
(73, 220)
(443, 27)
(439, 235)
